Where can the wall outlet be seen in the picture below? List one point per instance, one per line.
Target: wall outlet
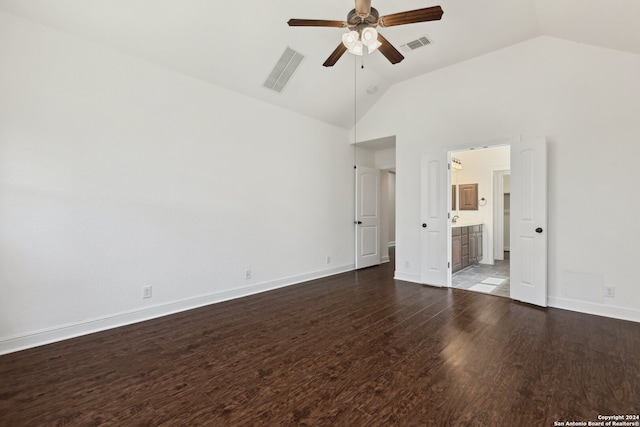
(328, 259)
(247, 274)
(610, 291)
(146, 292)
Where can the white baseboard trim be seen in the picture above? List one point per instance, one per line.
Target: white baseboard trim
(72, 330)
(385, 259)
(596, 309)
(414, 278)
(391, 244)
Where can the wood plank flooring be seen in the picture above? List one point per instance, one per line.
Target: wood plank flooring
(356, 349)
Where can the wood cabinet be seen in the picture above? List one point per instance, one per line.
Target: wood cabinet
(468, 197)
(464, 233)
(473, 248)
(466, 246)
(478, 232)
(456, 249)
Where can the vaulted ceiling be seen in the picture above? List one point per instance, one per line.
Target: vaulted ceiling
(236, 44)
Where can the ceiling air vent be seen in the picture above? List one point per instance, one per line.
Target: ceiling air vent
(415, 44)
(284, 69)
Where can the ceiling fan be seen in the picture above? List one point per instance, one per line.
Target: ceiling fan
(362, 21)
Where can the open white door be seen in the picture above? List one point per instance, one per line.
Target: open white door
(367, 219)
(529, 221)
(435, 222)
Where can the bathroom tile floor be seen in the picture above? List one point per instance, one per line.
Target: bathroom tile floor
(489, 279)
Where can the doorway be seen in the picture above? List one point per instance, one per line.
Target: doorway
(379, 158)
(477, 228)
(528, 219)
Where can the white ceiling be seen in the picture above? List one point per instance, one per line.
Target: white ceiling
(236, 44)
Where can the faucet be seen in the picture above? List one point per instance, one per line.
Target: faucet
(454, 219)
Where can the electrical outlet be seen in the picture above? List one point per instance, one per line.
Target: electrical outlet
(610, 291)
(328, 259)
(146, 292)
(247, 274)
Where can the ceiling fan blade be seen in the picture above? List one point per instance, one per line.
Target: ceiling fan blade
(411, 17)
(335, 55)
(316, 23)
(363, 7)
(390, 52)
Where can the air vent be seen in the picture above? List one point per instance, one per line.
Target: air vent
(284, 69)
(415, 44)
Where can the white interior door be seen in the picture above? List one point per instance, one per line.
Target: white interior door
(367, 220)
(529, 221)
(435, 223)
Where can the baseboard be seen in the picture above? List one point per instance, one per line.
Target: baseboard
(60, 333)
(392, 244)
(414, 278)
(385, 259)
(596, 309)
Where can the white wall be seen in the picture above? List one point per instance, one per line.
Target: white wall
(585, 100)
(364, 157)
(385, 159)
(116, 174)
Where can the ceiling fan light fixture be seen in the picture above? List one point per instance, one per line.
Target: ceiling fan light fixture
(349, 39)
(374, 46)
(369, 36)
(357, 49)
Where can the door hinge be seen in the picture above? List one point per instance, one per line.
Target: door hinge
(449, 215)
(448, 265)
(449, 166)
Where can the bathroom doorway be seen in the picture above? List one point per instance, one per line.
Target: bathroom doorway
(479, 228)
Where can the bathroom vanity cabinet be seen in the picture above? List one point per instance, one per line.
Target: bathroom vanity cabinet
(466, 246)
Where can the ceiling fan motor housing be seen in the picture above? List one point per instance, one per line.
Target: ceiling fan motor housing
(358, 21)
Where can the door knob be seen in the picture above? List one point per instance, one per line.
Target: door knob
(358, 222)
(424, 225)
(538, 230)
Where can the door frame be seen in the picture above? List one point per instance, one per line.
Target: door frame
(476, 146)
(498, 212)
(517, 142)
(385, 210)
(372, 147)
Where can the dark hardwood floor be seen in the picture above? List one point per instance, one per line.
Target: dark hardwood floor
(356, 349)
